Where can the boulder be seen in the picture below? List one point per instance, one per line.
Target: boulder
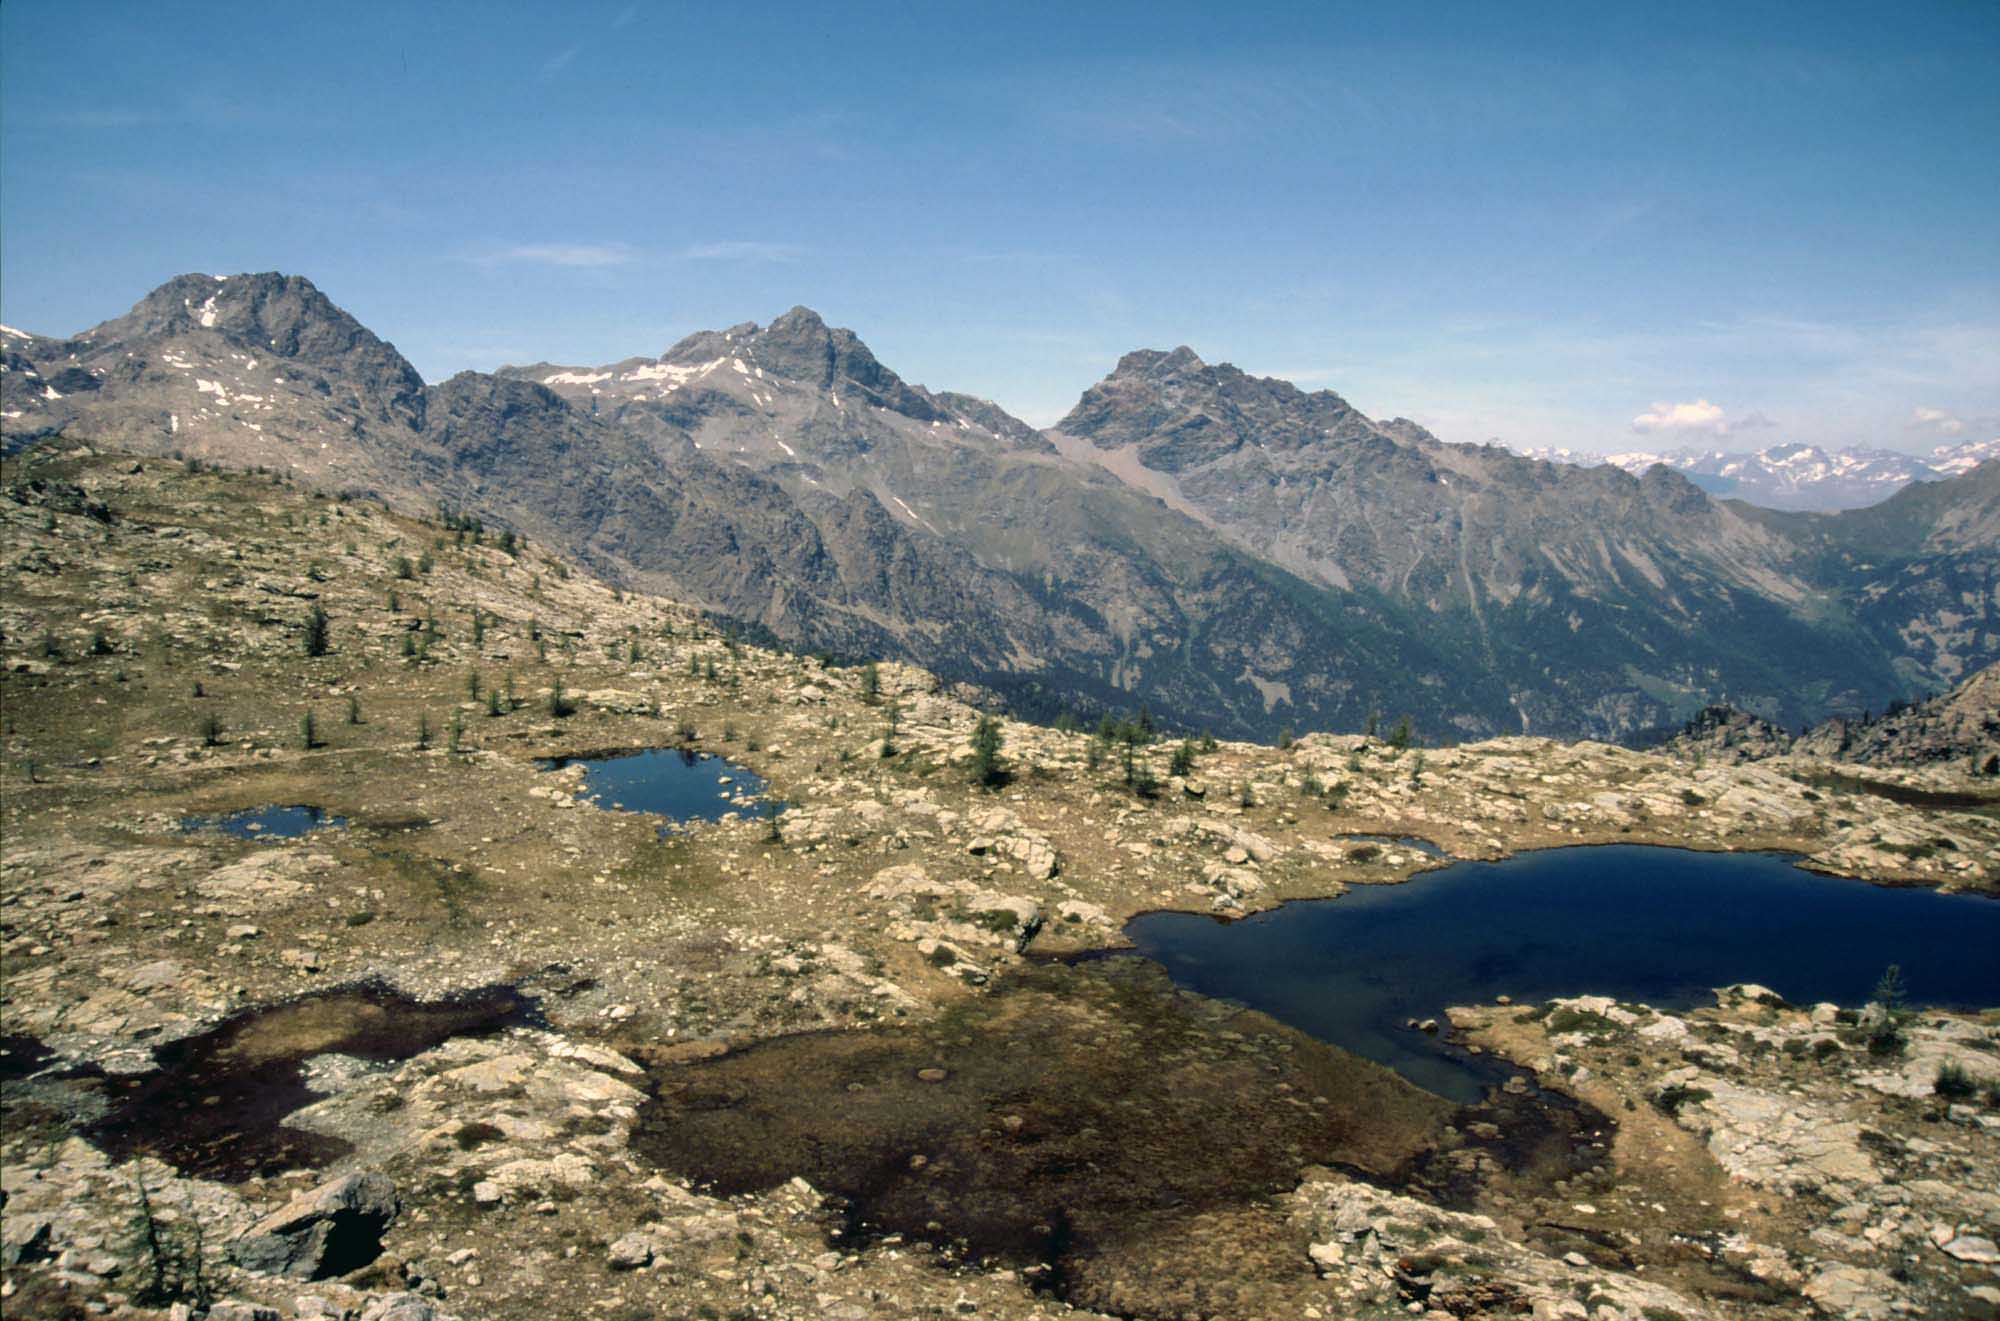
(25, 1238)
(631, 1252)
(1035, 855)
(1973, 1248)
(334, 1229)
(231, 1309)
(1852, 1292)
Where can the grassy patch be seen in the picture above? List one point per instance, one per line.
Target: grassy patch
(1952, 1082)
(1001, 921)
(455, 885)
(1580, 1020)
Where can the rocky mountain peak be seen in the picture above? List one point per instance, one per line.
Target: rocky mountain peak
(283, 314)
(1183, 411)
(270, 313)
(802, 346)
(237, 368)
(1158, 363)
(800, 321)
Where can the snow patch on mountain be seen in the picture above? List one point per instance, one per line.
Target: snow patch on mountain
(674, 374)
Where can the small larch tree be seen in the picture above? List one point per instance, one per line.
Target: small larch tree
(987, 771)
(1888, 1010)
(316, 632)
(889, 728)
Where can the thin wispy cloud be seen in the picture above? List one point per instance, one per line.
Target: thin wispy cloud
(580, 255)
(553, 66)
(198, 109)
(742, 251)
(1165, 105)
(587, 256)
(557, 62)
(108, 118)
(1023, 258)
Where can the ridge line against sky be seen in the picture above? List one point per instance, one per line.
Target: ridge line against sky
(1593, 227)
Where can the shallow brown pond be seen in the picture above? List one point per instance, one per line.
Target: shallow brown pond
(1075, 1123)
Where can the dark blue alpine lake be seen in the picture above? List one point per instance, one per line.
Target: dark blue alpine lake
(677, 783)
(1657, 925)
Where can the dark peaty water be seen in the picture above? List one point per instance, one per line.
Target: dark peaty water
(1658, 925)
(678, 783)
(216, 1105)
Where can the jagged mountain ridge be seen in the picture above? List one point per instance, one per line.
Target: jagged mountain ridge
(648, 501)
(263, 370)
(1232, 551)
(1513, 556)
(1171, 614)
(1636, 584)
(1960, 726)
(1804, 478)
(1297, 478)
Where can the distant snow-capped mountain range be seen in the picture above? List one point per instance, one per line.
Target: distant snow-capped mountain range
(1796, 476)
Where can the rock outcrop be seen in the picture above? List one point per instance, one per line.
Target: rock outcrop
(334, 1229)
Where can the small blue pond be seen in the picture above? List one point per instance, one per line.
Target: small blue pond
(677, 783)
(1657, 925)
(266, 822)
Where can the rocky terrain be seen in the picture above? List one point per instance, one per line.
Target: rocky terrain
(1233, 553)
(1961, 726)
(1798, 477)
(481, 1046)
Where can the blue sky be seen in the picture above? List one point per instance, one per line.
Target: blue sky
(1596, 225)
